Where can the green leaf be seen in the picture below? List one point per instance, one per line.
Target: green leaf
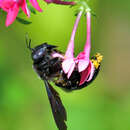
(23, 21)
(31, 9)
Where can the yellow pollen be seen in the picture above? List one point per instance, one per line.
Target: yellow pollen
(96, 64)
(97, 60)
(98, 54)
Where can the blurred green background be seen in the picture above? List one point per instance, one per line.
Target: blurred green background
(104, 105)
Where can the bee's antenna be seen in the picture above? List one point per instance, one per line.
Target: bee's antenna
(28, 42)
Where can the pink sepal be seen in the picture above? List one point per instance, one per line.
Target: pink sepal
(85, 74)
(91, 72)
(67, 64)
(71, 70)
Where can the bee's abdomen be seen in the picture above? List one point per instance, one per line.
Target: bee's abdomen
(73, 82)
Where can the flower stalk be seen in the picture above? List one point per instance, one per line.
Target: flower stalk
(60, 2)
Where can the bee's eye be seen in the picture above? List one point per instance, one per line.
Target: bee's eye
(38, 54)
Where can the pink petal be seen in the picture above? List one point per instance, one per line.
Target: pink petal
(82, 65)
(11, 16)
(81, 55)
(71, 70)
(66, 65)
(85, 74)
(25, 8)
(35, 5)
(6, 4)
(91, 72)
(57, 55)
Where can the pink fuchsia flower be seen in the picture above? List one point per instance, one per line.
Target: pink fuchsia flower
(69, 62)
(82, 61)
(12, 9)
(60, 2)
(35, 5)
(85, 66)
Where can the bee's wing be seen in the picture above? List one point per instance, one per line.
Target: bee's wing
(58, 109)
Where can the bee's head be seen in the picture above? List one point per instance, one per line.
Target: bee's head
(96, 60)
(38, 52)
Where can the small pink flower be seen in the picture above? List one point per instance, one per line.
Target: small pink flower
(85, 66)
(60, 2)
(69, 62)
(82, 61)
(12, 9)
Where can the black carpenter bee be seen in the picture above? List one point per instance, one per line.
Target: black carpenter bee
(49, 69)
